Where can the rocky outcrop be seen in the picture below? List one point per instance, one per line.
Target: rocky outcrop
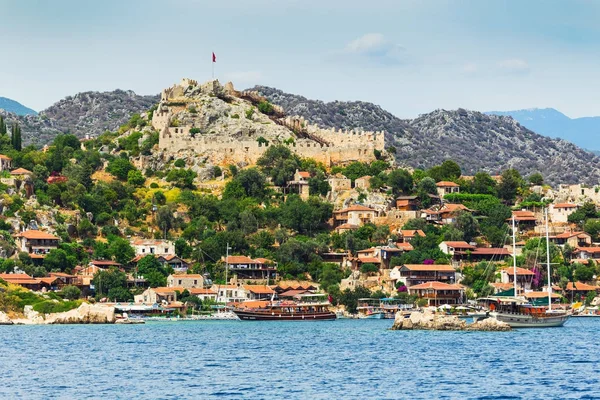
(427, 320)
(4, 320)
(84, 314)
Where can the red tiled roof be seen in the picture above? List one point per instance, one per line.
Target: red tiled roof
(36, 234)
(565, 205)
(105, 262)
(541, 295)
(502, 286)
(446, 184)
(496, 251)
(239, 260)
(369, 260)
(568, 234)
(355, 207)
(21, 171)
(3, 157)
(580, 286)
(405, 246)
(258, 289)
(520, 271)
(411, 232)
(591, 249)
(188, 276)
(304, 174)
(197, 291)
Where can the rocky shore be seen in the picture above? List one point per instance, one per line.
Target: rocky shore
(427, 320)
(84, 314)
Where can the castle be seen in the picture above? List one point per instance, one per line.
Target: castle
(226, 127)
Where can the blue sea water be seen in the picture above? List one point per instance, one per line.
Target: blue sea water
(343, 359)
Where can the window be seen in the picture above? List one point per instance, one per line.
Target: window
(180, 281)
(195, 281)
(152, 250)
(166, 249)
(143, 250)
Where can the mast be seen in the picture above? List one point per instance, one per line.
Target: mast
(226, 264)
(514, 254)
(548, 263)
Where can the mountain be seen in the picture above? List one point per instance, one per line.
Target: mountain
(15, 107)
(584, 132)
(475, 140)
(84, 113)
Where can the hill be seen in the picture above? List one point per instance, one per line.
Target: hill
(84, 113)
(15, 107)
(584, 132)
(475, 140)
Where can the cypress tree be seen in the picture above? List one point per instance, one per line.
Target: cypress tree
(2, 126)
(15, 137)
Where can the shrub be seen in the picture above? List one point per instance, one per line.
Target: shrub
(194, 131)
(179, 163)
(265, 107)
(249, 113)
(369, 268)
(235, 116)
(71, 292)
(154, 185)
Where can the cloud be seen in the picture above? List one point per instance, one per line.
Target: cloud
(514, 66)
(243, 77)
(374, 48)
(470, 69)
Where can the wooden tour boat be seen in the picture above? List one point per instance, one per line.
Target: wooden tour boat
(309, 307)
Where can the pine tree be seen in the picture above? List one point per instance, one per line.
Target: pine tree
(18, 143)
(2, 126)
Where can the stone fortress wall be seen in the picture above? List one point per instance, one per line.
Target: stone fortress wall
(328, 146)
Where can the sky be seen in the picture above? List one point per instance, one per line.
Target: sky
(410, 57)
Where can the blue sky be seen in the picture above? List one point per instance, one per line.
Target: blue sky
(410, 57)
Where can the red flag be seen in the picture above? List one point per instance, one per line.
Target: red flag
(214, 57)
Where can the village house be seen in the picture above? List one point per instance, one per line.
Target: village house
(415, 274)
(346, 228)
(446, 187)
(186, 281)
(21, 173)
(158, 295)
(534, 296)
(258, 292)
(444, 214)
(560, 212)
(576, 290)
(300, 183)
(153, 246)
(495, 254)
(229, 293)
(455, 248)
(438, 293)
(406, 235)
(5, 163)
(573, 239)
(36, 242)
(500, 287)
(245, 267)
(355, 215)
(22, 280)
(204, 294)
(524, 278)
(283, 286)
(525, 220)
(178, 264)
(584, 254)
(407, 203)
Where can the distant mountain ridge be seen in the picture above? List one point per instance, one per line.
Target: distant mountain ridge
(584, 132)
(84, 113)
(15, 107)
(478, 142)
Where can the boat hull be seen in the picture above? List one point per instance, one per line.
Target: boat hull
(528, 321)
(248, 315)
(375, 315)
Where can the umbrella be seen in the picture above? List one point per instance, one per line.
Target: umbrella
(462, 308)
(445, 306)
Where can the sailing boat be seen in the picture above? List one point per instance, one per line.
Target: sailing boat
(516, 311)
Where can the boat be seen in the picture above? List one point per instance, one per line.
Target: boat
(390, 306)
(518, 312)
(370, 309)
(305, 307)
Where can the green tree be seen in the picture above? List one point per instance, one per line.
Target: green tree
(592, 227)
(105, 280)
(135, 178)
(58, 259)
(369, 268)
(120, 167)
(400, 181)
(71, 292)
(120, 250)
(15, 138)
(279, 163)
(536, 179)
(509, 185)
(483, 184)
(2, 126)
(119, 294)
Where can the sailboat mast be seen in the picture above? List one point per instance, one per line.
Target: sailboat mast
(514, 254)
(548, 262)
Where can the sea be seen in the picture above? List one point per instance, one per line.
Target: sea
(343, 359)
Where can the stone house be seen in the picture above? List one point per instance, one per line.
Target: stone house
(300, 184)
(573, 239)
(438, 293)
(455, 247)
(203, 294)
(339, 183)
(186, 281)
(415, 274)
(230, 293)
(153, 246)
(560, 212)
(258, 292)
(158, 295)
(524, 277)
(245, 267)
(354, 215)
(446, 187)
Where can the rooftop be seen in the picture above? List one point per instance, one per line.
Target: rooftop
(429, 267)
(36, 234)
(447, 184)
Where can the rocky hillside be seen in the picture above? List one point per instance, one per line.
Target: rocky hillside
(84, 113)
(475, 140)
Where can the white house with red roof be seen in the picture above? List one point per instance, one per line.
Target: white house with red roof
(5, 163)
(157, 247)
(245, 267)
(455, 247)
(356, 214)
(524, 277)
(560, 212)
(186, 281)
(447, 187)
(36, 242)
